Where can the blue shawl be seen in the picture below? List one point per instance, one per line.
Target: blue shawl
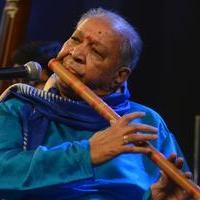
(41, 107)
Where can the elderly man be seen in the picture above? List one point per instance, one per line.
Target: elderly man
(54, 146)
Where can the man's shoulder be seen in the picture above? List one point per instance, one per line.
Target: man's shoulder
(135, 107)
(12, 101)
(151, 116)
(11, 104)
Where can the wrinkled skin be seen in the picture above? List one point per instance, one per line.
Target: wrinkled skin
(111, 139)
(92, 53)
(165, 189)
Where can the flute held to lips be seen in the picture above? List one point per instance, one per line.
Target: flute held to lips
(104, 110)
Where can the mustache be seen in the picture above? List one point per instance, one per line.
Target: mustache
(74, 67)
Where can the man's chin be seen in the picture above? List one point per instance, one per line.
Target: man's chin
(66, 91)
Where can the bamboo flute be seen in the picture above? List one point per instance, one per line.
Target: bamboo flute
(109, 114)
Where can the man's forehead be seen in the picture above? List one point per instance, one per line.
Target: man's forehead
(88, 36)
(97, 25)
(97, 28)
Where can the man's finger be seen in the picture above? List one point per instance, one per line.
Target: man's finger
(179, 162)
(112, 122)
(131, 138)
(172, 158)
(127, 118)
(188, 175)
(141, 128)
(136, 149)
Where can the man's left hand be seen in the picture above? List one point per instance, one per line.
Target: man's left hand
(166, 189)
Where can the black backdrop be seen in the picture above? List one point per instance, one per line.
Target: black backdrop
(167, 78)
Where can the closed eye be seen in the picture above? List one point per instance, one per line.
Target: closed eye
(97, 52)
(76, 39)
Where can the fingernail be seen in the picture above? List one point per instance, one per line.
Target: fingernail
(112, 121)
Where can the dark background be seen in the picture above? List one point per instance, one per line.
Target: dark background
(167, 78)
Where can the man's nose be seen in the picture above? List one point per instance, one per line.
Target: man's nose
(79, 54)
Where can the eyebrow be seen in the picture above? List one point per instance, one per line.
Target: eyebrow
(91, 39)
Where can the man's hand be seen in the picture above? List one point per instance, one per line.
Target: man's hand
(166, 189)
(120, 138)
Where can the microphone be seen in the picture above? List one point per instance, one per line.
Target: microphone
(30, 71)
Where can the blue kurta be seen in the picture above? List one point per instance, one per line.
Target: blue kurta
(45, 153)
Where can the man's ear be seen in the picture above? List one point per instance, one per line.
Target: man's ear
(121, 75)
